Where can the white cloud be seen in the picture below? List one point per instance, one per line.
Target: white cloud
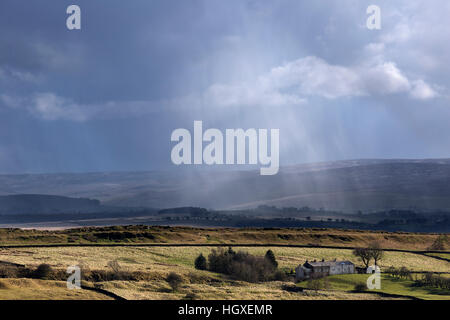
(287, 85)
(256, 94)
(413, 32)
(400, 33)
(314, 76)
(10, 74)
(294, 81)
(382, 79)
(421, 90)
(49, 106)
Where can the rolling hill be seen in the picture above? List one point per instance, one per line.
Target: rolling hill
(352, 185)
(34, 203)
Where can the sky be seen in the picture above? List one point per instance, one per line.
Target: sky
(108, 96)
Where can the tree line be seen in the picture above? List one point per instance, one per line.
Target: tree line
(241, 265)
(427, 279)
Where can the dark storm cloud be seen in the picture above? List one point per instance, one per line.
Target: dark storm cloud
(107, 97)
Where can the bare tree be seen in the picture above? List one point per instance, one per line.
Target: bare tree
(364, 254)
(376, 252)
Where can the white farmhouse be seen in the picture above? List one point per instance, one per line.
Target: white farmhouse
(318, 269)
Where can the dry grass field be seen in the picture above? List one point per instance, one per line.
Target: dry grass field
(160, 290)
(34, 289)
(156, 262)
(187, 235)
(162, 260)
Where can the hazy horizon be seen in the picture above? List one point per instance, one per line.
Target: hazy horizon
(228, 168)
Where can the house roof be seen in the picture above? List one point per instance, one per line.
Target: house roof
(328, 263)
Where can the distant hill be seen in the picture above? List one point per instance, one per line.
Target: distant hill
(352, 185)
(35, 203)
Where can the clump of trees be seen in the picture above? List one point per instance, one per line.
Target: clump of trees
(433, 280)
(427, 279)
(241, 265)
(401, 273)
(372, 252)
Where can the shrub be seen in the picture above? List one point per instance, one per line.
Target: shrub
(279, 276)
(114, 265)
(315, 284)
(105, 275)
(200, 262)
(174, 280)
(360, 287)
(8, 272)
(43, 271)
(270, 256)
(191, 296)
(404, 273)
(431, 280)
(391, 271)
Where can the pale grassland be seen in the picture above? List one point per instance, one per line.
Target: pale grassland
(159, 261)
(440, 255)
(33, 289)
(162, 260)
(180, 235)
(159, 290)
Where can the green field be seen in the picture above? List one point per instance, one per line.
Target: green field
(389, 285)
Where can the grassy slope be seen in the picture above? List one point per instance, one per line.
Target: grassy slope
(159, 261)
(169, 235)
(389, 285)
(33, 289)
(440, 255)
(227, 289)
